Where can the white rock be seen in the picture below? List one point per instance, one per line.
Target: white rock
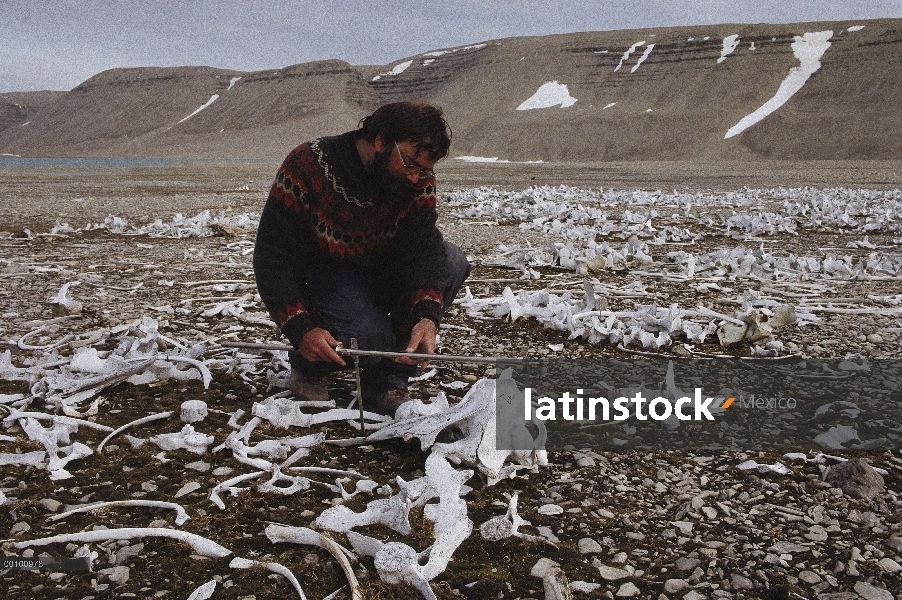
(810, 577)
(127, 552)
(187, 489)
(686, 564)
(674, 586)
(553, 579)
(741, 583)
(550, 509)
(710, 512)
(204, 592)
(628, 590)
(684, 526)
(611, 573)
(542, 567)
(20, 527)
(546, 533)
(50, 504)
(787, 548)
(817, 534)
(120, 575)
(888, 565)
(584, 586)
(589, 546)
(869, 592)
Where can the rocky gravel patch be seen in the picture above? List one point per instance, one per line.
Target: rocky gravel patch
(629, 524)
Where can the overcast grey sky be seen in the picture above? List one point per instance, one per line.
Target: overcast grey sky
(57, 44)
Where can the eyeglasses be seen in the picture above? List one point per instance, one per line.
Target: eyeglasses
(422, 172)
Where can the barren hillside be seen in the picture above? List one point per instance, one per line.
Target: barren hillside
(720, 92)
(17, 108)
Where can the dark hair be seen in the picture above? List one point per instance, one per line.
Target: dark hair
(415, 122)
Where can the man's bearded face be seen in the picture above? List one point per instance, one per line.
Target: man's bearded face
(388, 184)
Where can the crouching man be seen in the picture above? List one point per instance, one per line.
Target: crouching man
(348, 247)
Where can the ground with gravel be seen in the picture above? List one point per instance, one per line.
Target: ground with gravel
(633, 523)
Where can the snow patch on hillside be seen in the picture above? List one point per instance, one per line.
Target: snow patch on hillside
(730, 43)
(399, 68)
(437, 53)
(493, 159)
(548, 95)
(212, 99)
(808, 49)
(482, 159)
(642, 58)
(626, 54)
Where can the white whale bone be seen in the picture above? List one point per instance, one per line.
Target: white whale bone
(393, 512)
(327, 471)
(302, 535)
(201, 545)
(501, 527)
(553, 579)
(245, 563)
(396, 562)
(187, 439)
(193, 411)
(229, 485)
(296, 483)
(141, 421)
(180, 518)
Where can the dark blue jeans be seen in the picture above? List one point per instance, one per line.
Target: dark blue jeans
(365, 304)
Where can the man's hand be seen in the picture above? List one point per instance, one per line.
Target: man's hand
(422, 341)
(318, 345)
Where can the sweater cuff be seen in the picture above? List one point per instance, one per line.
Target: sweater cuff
(295, 328)
(426, 309)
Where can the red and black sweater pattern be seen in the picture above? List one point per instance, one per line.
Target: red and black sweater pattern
(320, 213)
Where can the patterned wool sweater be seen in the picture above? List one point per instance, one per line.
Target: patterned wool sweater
(321, 213)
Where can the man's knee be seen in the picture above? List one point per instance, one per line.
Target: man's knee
(458, 265)
(458, 269)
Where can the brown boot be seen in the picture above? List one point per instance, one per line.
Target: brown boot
(384, 402)
(311, 388)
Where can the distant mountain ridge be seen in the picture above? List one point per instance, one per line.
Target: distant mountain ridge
(810, 91)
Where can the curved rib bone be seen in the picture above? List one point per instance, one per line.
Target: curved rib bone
(246, 563)
(180, 517)
(303, 535)
(141, 421)
(200, 544)
(229, 484)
